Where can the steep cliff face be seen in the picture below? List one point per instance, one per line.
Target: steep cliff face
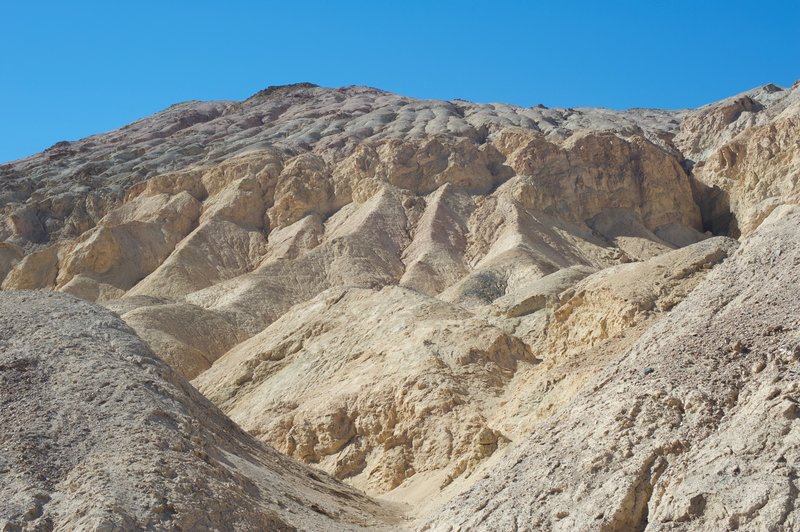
(413, 295)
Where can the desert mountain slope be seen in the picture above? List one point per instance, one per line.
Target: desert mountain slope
(438, 301)
(694, 427)
(384, 386)
(77, 181)
(98, 433)
(469, 206)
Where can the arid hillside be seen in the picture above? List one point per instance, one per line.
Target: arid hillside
(448, 315)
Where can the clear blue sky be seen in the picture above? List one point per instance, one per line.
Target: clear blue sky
(72, 68)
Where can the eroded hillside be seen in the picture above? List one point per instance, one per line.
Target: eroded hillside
(100, 434)
(419, 297)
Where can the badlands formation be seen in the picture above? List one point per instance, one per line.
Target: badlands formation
(323, 309)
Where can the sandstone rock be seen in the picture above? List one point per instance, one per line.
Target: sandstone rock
(592, 172)
(542, 293)
(748, 159)
(187, 337)
(612, 300)
(130, 242)
(37, 269)
(304, 187)
(435, 258)
(215, 251)
(10, 255)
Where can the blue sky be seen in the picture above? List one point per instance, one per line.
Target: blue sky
(70, 69)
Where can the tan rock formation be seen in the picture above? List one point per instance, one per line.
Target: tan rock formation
(746, 149)
(691, 428)
(608, 302)
(10, 255)
(370, 384)
(503, 317)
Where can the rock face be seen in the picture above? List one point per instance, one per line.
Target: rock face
(503, 317)
(746, 154)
